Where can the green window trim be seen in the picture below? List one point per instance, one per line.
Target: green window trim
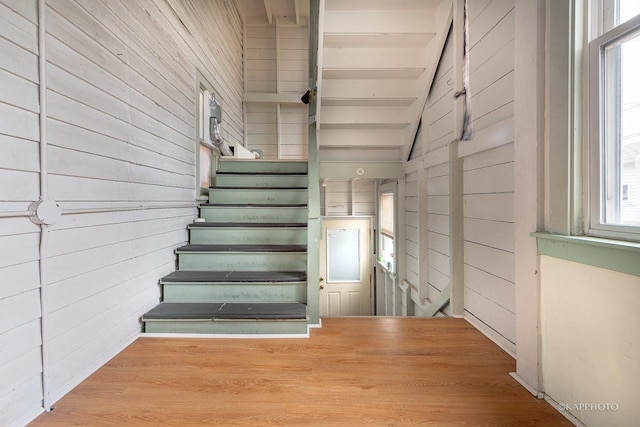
(615, 255)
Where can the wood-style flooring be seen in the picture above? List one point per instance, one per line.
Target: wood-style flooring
(352, 372)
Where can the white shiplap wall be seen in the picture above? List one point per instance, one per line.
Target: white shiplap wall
(488, 177)
(294, 79)
(441, 132)
(440, 115)
(346, 197)
(438, 229)
(121, 159)
(20, 360)
(261, 60)
(428, 263)
(294, 59)
(277, 62)
(412, 235)
(262, 129)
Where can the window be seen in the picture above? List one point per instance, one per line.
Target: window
(386, 214)
(614, 117)
(205, 150)
(343, 255)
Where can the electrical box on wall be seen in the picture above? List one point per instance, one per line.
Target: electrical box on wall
(216, 110)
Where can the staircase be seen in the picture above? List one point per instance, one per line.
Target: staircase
(244, 270)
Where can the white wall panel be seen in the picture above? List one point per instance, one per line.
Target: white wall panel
(342, 197)
(412, 248)
(489, 260)
(491, 36)
(20, 384)
(121, 101)
(277, 62)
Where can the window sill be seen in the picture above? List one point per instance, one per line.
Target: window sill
(386, 269)
(613, 255)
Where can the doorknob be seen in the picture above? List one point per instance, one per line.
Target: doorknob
(321, 287)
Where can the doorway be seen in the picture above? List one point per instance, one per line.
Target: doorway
(345, 267)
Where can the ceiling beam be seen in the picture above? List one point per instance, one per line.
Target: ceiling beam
(361, 169)
(272, 98)
(267, 9)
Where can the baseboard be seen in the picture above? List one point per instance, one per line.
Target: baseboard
(25, 420)
(225, 336)
(523, 383)
(576, 422)
(88, 372)
(70, 386)
(315, 325)
(479, 325)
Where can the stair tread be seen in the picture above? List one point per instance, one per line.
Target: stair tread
(241, 248)
(264, 173)
(226, 311)
(257, 188)
(236, 276)
(253, 205)
(248, 225)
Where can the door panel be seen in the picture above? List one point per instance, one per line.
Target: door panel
(345, 267)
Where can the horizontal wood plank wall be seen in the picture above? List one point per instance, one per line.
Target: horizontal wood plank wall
(441, 132)
(488, 177)
(294, 131)
(294, 59)
(121, 158)
(262, 129)
(20, 359)
(440, 117)
(261, 60)
(412, 241)
(277, 62)
(418, 147)
(344, 197)
(428, 264)
(438, 231)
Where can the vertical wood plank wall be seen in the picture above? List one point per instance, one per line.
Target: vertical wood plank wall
(277, 63)
(121, 131)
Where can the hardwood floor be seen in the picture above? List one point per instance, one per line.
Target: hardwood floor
(352, 372)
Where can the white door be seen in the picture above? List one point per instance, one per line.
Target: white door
(345, 267)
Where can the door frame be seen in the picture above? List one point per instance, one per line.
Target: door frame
(371, 254)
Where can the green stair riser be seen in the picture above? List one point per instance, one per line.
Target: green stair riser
(246, 261)
(257, 181)
(262, 166)
(238, 292)
(255, 236)
(254, 214)
(258, 196)
(235, 327)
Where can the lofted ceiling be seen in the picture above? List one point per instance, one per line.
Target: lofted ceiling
(266, 11)
(377, 59)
